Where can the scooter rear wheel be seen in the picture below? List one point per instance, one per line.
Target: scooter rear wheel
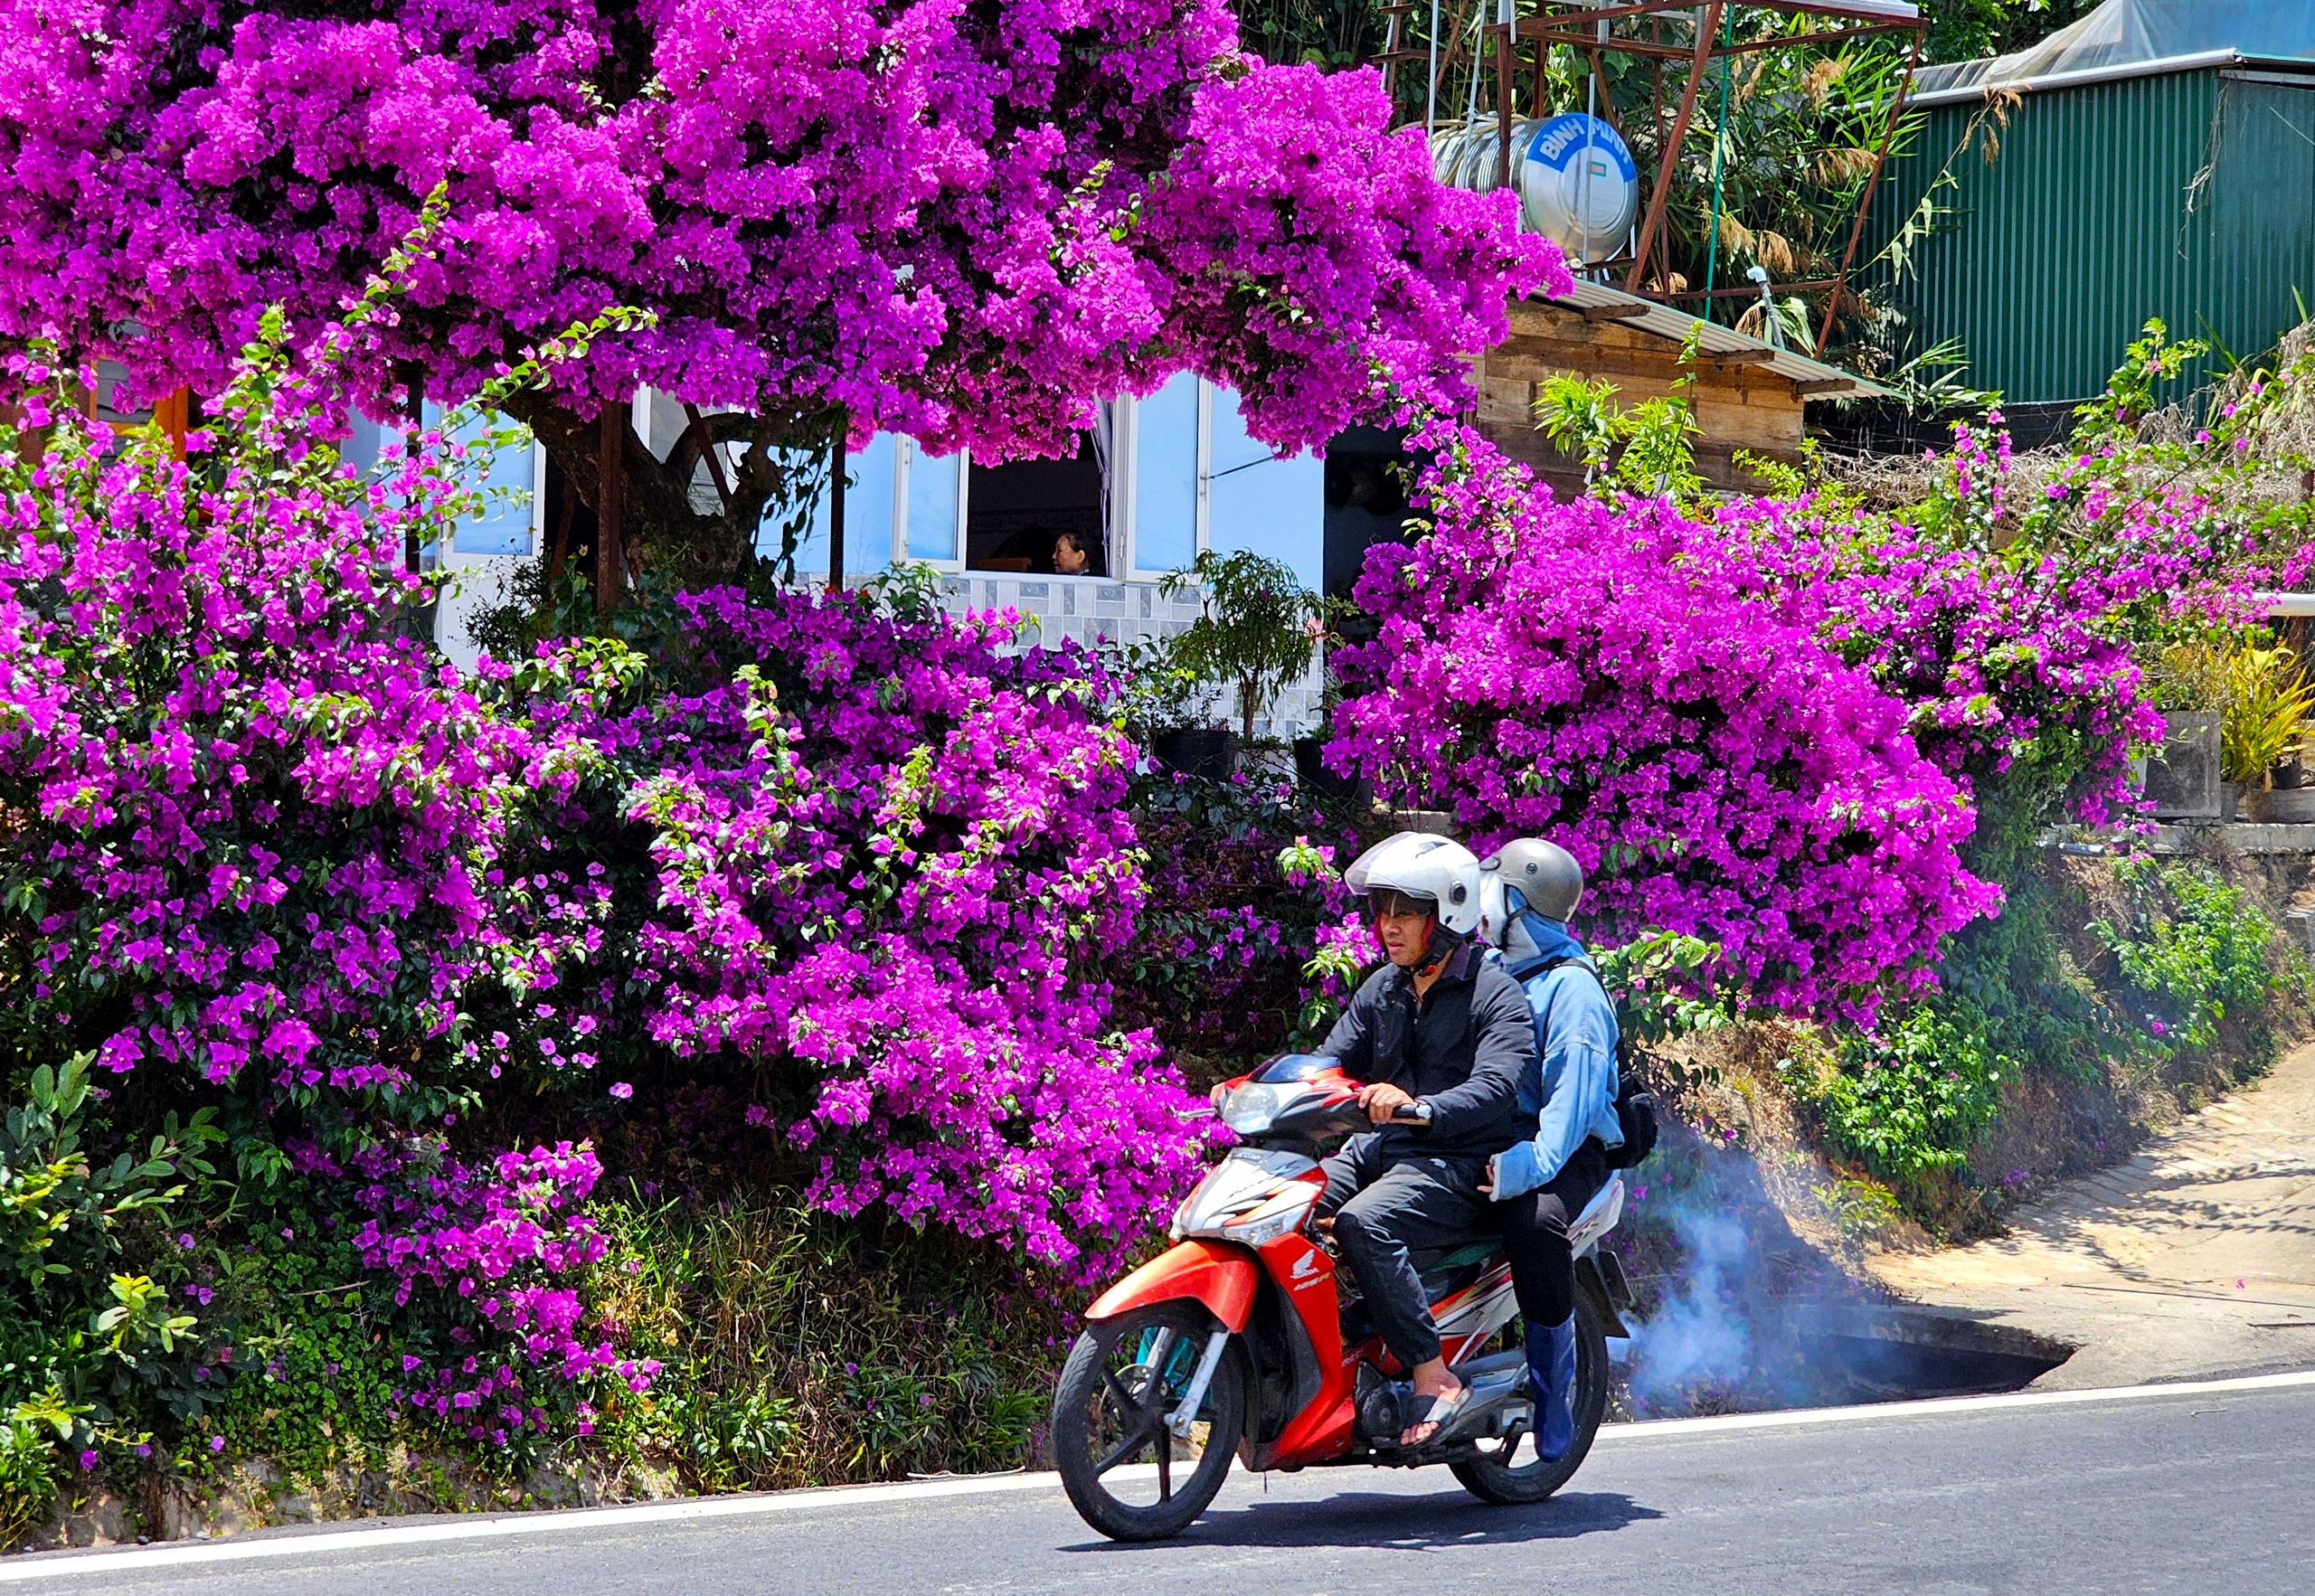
(1509, 1483)
(1122, 1378)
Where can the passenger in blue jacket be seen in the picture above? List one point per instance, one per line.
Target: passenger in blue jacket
(1569, 1093)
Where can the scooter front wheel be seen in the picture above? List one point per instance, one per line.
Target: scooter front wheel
(1123, 1380)
(1506, 1481)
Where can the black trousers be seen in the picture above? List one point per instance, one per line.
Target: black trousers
(1534, 1234)
(1384, 1212)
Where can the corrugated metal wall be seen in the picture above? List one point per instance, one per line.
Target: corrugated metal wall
(2091, 219)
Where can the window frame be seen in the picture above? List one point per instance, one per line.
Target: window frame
(905, 451)
(1125, 484)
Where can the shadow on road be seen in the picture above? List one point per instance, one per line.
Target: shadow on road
(1409, 1524)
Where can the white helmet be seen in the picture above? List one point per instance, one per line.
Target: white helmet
(1436, 870)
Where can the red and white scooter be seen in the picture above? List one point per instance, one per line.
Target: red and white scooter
(1244, 1339)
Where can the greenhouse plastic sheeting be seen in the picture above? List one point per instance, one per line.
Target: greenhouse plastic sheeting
(2122, 33)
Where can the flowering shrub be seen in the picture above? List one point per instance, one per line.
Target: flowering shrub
(886, 860)
(501, 1244)
(2008, 629)
(267, 855)
(1606, 673)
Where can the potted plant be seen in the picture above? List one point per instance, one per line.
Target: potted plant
(2266, 704)
(1170, 708)
(1258, 627)
(2258, 703)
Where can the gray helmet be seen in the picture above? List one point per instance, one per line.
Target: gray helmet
(1544, 875)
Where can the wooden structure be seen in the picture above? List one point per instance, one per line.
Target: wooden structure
(1747, 394)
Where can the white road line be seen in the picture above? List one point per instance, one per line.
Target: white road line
(50, 1566)
(1940, 1406)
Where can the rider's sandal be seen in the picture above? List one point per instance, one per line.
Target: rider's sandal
(1440, 1412)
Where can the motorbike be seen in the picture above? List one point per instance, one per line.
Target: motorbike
(1246, 1340)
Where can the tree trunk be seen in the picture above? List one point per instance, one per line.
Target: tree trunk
(675, 517)
(609, 492)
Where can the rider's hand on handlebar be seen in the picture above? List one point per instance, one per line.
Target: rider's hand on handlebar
(1382, 1100)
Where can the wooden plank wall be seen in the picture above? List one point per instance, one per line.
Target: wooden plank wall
(1737, 406)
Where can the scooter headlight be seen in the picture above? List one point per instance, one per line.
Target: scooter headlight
(1259, 1230)
(1249, 1110)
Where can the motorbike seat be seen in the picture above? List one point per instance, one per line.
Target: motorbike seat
(1445, 1270)
(1448, 1270)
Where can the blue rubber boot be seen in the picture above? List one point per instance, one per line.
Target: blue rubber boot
(1551, 1371)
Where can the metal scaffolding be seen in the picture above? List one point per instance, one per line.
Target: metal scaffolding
(1598, 28)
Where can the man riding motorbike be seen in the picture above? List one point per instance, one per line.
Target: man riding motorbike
(1442, 1036)
(1568, 1097)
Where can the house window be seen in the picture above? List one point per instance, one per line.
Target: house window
(1158, 480)
(932, 528)
(1169, 475)
(1016, 513)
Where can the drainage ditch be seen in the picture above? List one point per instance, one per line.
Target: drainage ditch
(1815, 1353)
(1871, 1354)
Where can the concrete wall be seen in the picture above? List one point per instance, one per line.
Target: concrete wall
(1093, 611)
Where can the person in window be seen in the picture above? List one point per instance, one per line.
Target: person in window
(1070, 557)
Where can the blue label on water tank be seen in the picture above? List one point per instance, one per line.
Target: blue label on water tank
(1565, 141)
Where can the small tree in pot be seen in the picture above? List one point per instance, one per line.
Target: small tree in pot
(1169, 709)
(1259, 626)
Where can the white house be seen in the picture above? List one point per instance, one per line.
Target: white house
(1162, 479)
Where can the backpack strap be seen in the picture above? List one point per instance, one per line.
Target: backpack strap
(1544, 967)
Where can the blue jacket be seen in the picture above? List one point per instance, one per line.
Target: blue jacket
(1570, 1087)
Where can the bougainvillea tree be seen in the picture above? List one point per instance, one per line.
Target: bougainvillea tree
(960, 221)
(1606, 675)
(268, 857)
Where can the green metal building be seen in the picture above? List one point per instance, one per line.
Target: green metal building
(2080, 203)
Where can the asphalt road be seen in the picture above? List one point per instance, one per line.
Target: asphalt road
(2198, 1490)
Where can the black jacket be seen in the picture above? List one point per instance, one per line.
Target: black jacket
(1463, 1052)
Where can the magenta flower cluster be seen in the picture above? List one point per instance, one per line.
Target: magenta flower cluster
(958, 222)
(505, 1240)
(1609, 675)
(888, 861)
(2010, 646)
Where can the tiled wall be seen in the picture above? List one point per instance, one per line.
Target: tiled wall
(1093, 610)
